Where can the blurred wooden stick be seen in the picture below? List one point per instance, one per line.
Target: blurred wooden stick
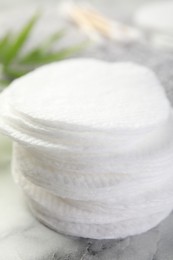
(91, 21)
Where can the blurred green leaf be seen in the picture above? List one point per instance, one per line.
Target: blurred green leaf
(39, 57)
(14, 64)
(20, 40)
(53, 39)
(15, 72)
(4, 83)
(4, 45)
(39, 52)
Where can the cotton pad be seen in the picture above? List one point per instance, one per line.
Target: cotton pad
(113, 96)
(93, 146)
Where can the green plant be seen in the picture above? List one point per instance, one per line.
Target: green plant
(14, 64)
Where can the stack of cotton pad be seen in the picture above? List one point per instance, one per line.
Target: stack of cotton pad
(93, 146)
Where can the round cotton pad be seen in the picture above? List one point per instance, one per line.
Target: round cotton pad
(93, 146)
(91, 94)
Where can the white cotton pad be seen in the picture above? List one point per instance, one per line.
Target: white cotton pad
(156, 16)
(93, 146)
(91, 94)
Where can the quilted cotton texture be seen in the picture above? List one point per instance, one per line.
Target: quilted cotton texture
(93, 146)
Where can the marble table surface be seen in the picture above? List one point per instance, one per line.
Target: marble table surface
(22, 237)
